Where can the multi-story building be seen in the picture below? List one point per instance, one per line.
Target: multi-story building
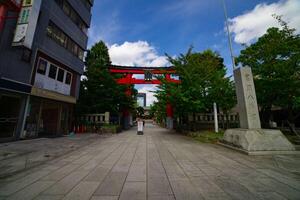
(41, 60)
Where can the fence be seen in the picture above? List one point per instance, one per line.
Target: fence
(102, 118)
(203, 121)
(91, 122)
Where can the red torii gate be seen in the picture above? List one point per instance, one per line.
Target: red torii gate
(8, 5)
(128, 79)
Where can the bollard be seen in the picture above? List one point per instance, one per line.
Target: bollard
(140, 130)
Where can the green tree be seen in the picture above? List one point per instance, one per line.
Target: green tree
(203, 82)
(275, 62)
(99, 91)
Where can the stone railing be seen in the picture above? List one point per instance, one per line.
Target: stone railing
(203, 121)
(205, 118)
(102, 118)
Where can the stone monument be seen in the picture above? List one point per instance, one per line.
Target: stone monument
(250, 138)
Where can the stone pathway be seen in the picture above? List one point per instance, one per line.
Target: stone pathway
(157, 165)
(22, 155)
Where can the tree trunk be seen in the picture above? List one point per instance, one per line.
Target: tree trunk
(266, 116)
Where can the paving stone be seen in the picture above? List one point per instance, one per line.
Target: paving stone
(105, 198)
(159, 186)
(60, 173)
(49, 197)
(137, 173)
(19, 184)
(208, 189)
(133, 191)
(287, 178)
(270, 196)
(31, 191)
(98, 174)
(183, 189)
(112, 184)
(84, 190)
(174, 172)
(280, 188)
(63, 186)
(161, 197)
(234, 189)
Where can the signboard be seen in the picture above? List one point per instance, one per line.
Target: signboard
(27, 22)
(148, 75)
(140, 127)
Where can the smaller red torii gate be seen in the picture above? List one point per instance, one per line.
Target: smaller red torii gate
(128, 79)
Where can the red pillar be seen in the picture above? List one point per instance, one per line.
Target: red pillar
(128, 93)
(126, 113)
(169, 110)
(3, 12)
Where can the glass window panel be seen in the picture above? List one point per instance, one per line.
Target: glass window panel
(70, 45)
(66, 7)
(80, 54)
(52, 71)
(75, 50)
(42, 67)
(60, 75)
(68, 78)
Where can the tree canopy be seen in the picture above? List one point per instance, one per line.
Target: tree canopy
(203, 82)
(275, 62)
(99, 91)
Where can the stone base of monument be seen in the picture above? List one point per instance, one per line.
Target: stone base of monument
(258, 141)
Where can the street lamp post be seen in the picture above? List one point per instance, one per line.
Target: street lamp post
(228, 33)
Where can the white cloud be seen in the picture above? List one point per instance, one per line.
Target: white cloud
(253, 24)
(139, 53)
(105, 29)
(150, 98)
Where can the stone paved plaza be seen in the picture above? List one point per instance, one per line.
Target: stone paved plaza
(157, 165)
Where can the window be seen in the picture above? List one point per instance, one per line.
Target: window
(75, 50)
(42, 67)
(62, 39)
(80, 53)
(68, 78)
(72, 14)
(60, 75)
(52, 71)
(66, 8)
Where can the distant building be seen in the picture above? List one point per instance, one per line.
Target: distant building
(41, 61)
(141, 99)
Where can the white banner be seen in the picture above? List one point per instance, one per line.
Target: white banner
(27, 22)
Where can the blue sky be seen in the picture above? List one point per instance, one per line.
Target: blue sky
(140, 32)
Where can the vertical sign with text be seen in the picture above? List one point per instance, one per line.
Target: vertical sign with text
(27, 23)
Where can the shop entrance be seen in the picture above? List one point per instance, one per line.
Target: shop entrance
(48, 118)
(9, 115)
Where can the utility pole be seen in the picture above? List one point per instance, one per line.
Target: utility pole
(228, 33)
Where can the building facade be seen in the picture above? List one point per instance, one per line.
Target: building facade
(41, 62)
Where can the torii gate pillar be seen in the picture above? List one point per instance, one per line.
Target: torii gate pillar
(169, 119)
(169, 109)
